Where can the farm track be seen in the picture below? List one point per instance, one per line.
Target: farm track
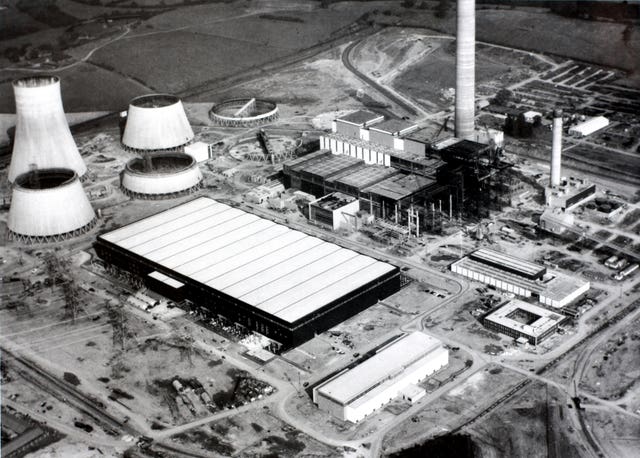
(346, 60)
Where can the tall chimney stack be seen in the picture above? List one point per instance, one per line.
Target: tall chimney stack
(465, 69)
(556, 148)
(43, 138)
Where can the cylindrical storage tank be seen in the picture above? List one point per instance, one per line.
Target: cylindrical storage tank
(42, 139)
(49, 205)
(156, 122)
(161, 176)
(465, 69)
(556, 148)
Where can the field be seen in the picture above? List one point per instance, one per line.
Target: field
(137, 379)
(617, 434)
(86, 88)
(603, 376)
(543, 410)
(255, 433)
(422, 65)
(445, 413)
(535, 29)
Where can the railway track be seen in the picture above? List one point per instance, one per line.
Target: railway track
(495, 404)
(346, 61)
(69, 394)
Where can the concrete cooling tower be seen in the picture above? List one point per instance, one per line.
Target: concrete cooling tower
(42, 139)
(49, 205)
(161, 176)
(156, 122)
(465, 69)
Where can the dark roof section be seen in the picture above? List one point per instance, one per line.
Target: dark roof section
(399, 187)
(360, 118)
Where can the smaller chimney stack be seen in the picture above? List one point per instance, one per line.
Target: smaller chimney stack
(556, 148)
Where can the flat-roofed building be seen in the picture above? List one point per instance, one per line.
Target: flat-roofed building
(520, 277)
(354, 393)
(571, 193)
(350, 124)
(385, 132)
(369, 137)
(509, 263)
(335, 211)
(279, 282)
(591, 125)
(519, 319)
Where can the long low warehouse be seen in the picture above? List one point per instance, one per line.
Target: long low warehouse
(271, 279)
(521, 277)
(355, 393)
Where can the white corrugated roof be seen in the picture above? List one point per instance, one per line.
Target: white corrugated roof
(279, 270)
(389, 363)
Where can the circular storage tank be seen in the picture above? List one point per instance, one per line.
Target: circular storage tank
(244, 113)
(156, 122)
(49, 205)
(161, 176)
(42, 137)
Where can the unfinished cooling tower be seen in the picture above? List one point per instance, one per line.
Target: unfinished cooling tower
(465, 69)
(161, 176)
(42, 138)
(49, 205)
(556, 149)
(156, 122)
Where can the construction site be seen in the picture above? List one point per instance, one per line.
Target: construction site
(396, 237)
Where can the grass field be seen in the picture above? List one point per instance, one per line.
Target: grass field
(85, 88)
(536, 30)
(295, 30)
(435, 73)
(176, 61)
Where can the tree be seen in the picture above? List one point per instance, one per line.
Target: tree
(503, 97)
(442, 9)
(117, 317)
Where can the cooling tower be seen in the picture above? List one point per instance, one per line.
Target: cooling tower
(43, 139)
(556, 148)
(465, 69)
(161, 176)
(156, 122)
(49, 205)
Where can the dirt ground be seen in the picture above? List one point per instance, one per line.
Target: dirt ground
(616, 433)
(543, 411)
(138, 378)
(614, 369)
(443, 414)
(301, 405)
(254, 433)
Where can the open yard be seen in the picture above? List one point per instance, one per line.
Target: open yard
(254, 433)
(614, 366)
